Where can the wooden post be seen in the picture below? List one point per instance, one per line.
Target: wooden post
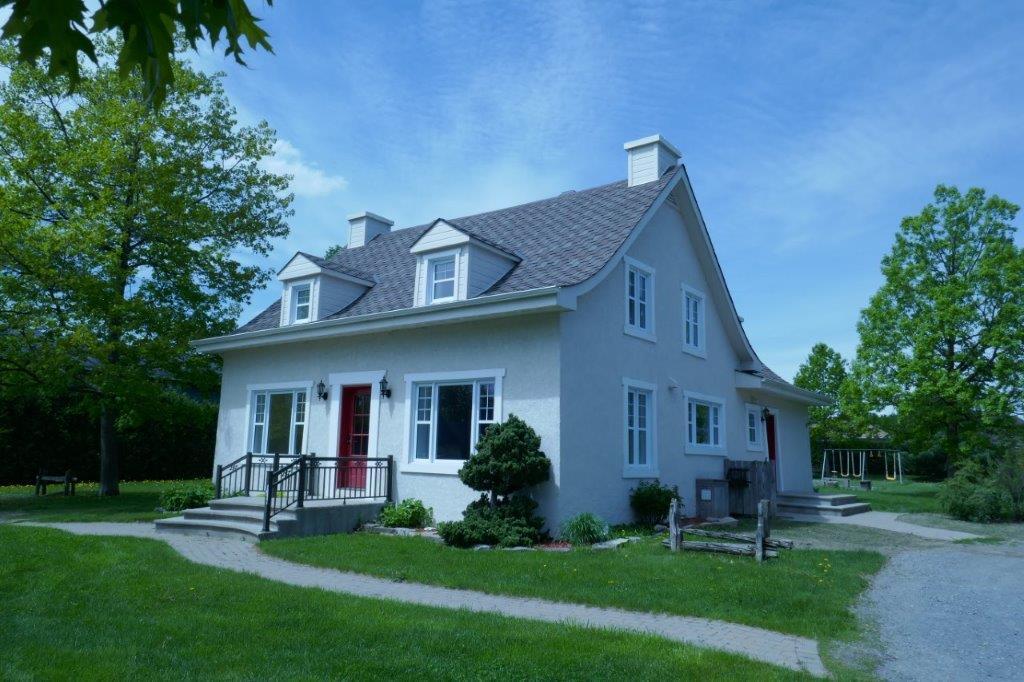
(762, 513)
(673, 525)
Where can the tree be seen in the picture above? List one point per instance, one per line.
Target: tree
(508, 458)
(119, 226)
(332, 251)
(147, 30)
(824, 371)
(942, 341)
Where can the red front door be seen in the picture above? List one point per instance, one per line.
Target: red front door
(355, 436)
(769, 434)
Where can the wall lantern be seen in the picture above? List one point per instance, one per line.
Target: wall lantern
(385, 392)
(321, 390)
(765, 413)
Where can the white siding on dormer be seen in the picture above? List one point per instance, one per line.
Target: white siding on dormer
(485, 268)
(299, 267)
(440, 236)
(461, 273)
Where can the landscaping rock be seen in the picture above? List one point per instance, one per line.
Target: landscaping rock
(478, 548)
(660, 528)
(724, 521)
(610, 544)
(518, 549)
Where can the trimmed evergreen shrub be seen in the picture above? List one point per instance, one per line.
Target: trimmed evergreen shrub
(511, 523)
(508, 458)
(409, 513)
(585, 529)
(651, 501)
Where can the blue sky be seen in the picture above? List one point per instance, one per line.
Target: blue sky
(808, 129)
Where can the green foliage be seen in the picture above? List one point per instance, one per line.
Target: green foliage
(121, 230)
(60, 31)
(510, 523)
(508, 458)
(825, 372)
(333, 251)
(986, 493)
(585, 529)
(409, 513)
(651, 501)
(186, 495)
(942, 341)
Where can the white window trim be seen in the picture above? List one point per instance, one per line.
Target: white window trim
(444, 467)
(758, 445)
(293, 302)
(428, 295)
(336, 382)
(701, 350)
(647, 334)
(650, 469)
(281, 387)
(723, 420)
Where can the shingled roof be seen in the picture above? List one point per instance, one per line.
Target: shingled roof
(561, 241)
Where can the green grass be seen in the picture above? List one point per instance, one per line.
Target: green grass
(804, 592)
(125, 608)
(890, 496)
(137, 502)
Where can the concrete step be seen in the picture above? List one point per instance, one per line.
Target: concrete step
(243, 515)
(812, 509)
(240, 502)
(815, 498)
(251, 532)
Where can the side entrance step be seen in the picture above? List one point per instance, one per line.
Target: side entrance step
(813, 504)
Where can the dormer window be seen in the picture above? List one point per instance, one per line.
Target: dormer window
(301, 303)
(442, 279)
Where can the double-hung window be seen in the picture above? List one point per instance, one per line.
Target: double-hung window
(694, 327)
(753, 428)
(639, 299)
(450, 416)
(441, 275)
(301, 311)
(705, 424)
(639, 452)
(278, 421)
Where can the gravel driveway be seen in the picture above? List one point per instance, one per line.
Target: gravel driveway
(952, 612)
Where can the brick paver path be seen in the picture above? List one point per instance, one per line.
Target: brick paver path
(796, 653)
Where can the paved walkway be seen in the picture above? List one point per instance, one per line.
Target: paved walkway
(795, 653)
(885, 521)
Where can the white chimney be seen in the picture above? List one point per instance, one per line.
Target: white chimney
(649, 158)
(365, 226)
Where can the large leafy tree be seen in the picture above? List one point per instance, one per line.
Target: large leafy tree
(60, 31)
(942, 341)
(119, 230)
(824, 371)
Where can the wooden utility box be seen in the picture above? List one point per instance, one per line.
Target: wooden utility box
(712, 498)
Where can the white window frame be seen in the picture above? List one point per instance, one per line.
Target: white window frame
(694, 448)
(700, 348)
(293, 302)
(431, 263)
(647, 332)
(650, 469)
(756, 445)
(432, 465)
(269, 389)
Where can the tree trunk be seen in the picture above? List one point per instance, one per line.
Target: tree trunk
(110, 452)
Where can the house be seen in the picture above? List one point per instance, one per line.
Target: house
(599, 316)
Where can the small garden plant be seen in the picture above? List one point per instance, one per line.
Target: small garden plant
(187, 495)
(508, 459)
(651, 501)
(409, 513)
(585, 529)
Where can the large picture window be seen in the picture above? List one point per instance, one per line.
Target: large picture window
(451, 416)
(278, 421)
(705, 422)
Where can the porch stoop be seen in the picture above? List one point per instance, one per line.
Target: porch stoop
(813, 504)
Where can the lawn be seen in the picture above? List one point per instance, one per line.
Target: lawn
(105, 608)
(890, 496)
(137, 502)
(804, 592)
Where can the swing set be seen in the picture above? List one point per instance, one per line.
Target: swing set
(847, 464)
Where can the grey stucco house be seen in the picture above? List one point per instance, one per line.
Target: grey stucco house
(601, 317)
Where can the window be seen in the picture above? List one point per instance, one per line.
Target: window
(694, 328)
(704, 424)
(450, 416)
(278, 422)
(442, 279)
(753, 428)
(639, 300)
(639, 456)
(300, 303)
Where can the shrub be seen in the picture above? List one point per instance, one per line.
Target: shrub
(973, 494)
(186, 496)
(651, 501)
(511, 523)
(585, 529)
(508, 458)
(409, 513)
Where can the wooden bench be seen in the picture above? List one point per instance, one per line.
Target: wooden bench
(67, 480)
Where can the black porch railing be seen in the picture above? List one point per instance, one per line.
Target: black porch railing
(292, 480)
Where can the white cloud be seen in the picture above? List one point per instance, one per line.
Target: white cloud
(307, 179)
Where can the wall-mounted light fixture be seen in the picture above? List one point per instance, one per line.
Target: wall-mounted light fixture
(321, 390)
(385, 392)
(765, 413)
